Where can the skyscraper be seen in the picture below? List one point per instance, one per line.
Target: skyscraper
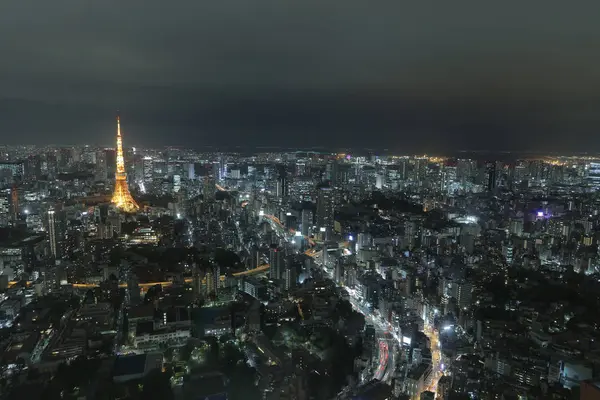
(148, 171)
(5, 215)
(289, 275)
(275, 262)
(307, 221)
(213, 276)
(492, 176)
(52, 232)
(121, 197)
(282, 183)
(325, 210)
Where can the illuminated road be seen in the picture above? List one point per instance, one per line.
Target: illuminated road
(291, 231)
(386, 363)
(258, 270)
(436, 358)
(383, 360)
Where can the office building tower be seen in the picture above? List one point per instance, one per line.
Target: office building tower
(332, 172)
(282, 183)
(197, 277)
(235, 174)
(491, 177)
(289, 276)
(148, 171)
(176, 183)
(14, 203)
(52, 237)
(593, 175)
(325, 210)
(12, 171)
(5, 214)
(101, 171)
(213, 276)
(255, 258)
(338, 274)
(110, 156)
(306, 221)
(275, 262)
(191, 171)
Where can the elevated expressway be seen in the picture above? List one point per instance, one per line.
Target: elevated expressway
(258, 270)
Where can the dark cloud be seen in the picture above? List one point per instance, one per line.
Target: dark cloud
(344, 73)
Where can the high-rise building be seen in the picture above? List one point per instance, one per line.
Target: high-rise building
(14, 203)
(148, 171)
(12, 171)
(338, 272)
(197, 277)
(282, 183)
(213, 276)
(133, 289)
(325, 210)
(593, 175)
(209, 190)
(492, 176)
(276, 263)
(110, 156)
(289, 275)
(52, 232)
(101, 172)
(5, 215)
(122, 199)
(307, 221)
(191, 171)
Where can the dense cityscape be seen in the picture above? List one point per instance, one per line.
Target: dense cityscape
(133, 273)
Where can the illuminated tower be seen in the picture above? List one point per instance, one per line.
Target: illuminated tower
(121, 197)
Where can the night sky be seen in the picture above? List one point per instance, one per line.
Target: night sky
(404, 75)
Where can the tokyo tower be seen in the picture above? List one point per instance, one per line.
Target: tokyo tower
(121, 197)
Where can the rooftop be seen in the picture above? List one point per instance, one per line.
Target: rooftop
(130, 365)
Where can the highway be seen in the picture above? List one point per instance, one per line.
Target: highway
(258, 270)
(386, 362)
(276, 220)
